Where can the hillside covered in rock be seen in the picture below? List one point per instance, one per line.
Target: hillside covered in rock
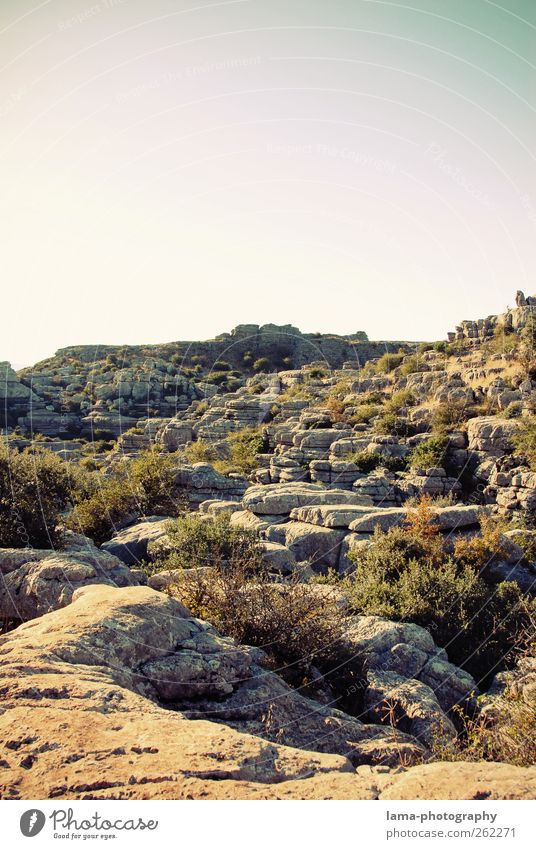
(272, 565)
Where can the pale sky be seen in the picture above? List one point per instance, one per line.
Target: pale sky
(173, 168)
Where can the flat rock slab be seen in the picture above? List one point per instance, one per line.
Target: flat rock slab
(452, 518)
(383, 518)
(83, 690)
(131, 544)
(331, 515)
(280, 499)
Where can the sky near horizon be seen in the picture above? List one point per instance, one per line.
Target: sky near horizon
(172, 169)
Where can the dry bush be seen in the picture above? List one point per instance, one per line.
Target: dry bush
(490, 546)
(298, 625)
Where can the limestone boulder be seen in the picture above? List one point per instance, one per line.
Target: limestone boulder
(131, 544)
(407, 704)
(312, 543)
(330, 515)
(280, 499)
(34, 582)
(95, 676)
(409, 651)
(277, 557)
(491, 435)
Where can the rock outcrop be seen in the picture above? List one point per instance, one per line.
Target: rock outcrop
(34, 582)
(132, 665)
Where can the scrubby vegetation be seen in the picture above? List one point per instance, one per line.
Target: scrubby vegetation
(137, 488)
(408, 575)
(196, 540)
(367, 462)
(35, 488)
(430, 453)
(220, 577)
(505, 731)
(239, 454)
(525, 441)
(449, 417)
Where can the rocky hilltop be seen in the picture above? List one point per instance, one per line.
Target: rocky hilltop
(272, 565)
(88, 388)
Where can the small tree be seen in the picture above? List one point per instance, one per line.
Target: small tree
(35, 487)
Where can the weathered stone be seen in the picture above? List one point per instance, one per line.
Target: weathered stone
(33, 583)
(312, 543)
(492, 435)
(131, 544)
(280, 499)
(409, 705)
(333, 515)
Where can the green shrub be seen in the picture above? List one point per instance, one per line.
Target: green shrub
(262, 364)
(35, 487)
(407, 575)
(365, 413)
(194, 541)
(386, 424)
(399, 400)
(430, 453)
(449, 417)
(390, 424)
(525, 441)
(388, 362)
(244, 445)
(136, 488)
(200, 452)
(219, 378)
(513, 410)
(412, 365)
(365, 461)
(316, 373)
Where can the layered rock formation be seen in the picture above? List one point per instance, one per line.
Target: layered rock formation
(96, 699)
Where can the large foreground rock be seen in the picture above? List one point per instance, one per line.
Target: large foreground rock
(34, 582)
(83, 690)
(111, 660)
